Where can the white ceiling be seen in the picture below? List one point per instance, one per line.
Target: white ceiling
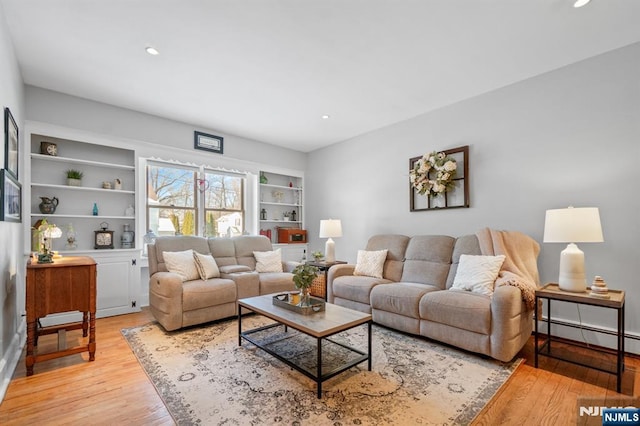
(269, 69)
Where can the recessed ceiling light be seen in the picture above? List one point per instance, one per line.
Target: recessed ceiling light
(152, 51)
(580, 3)
(326, 117)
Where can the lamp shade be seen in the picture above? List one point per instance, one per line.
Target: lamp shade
(53, 232)
(330, 228)
(573, 225)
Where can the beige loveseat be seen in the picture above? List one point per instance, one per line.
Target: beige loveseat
(413, 295)
(176, 303)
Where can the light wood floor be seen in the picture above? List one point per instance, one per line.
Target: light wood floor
(115, 390)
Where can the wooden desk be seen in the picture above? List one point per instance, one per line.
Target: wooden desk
(68, 284)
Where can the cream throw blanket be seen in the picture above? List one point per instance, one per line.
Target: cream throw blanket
(520, 267)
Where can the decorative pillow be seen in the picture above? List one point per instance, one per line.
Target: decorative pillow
(182, 263)
(477, 273)
(268, 261)
(370, 263)
(206, 265)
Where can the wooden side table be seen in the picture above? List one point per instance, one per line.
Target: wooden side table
(68, 284)
(615, 301)
(319, 285)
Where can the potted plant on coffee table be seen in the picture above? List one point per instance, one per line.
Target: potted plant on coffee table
(303, 276)
(74, 177)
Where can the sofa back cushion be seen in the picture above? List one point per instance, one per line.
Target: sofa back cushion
(246, 245)
(466, 244)
(223, 251)
(428, 259)
(173, 243)
(396, 246)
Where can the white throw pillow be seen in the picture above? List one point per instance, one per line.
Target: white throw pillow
(206, 265)
(477, 273)
(268, 261)
(370, 263)
(181, 263)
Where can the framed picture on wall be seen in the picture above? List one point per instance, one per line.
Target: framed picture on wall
(458, 194)
(11, 207)
(208, 142)
(11, 145)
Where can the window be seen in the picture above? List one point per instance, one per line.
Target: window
(224, 204)
(184, 200)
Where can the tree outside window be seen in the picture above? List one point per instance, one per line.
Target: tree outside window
(175, 195)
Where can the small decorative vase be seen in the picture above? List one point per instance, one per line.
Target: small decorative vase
(263, 178)
(48, 205)
(305, 296)
(73, 182)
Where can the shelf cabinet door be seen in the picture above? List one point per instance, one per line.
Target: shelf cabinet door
(118, 280)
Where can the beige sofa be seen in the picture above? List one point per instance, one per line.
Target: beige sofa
(176, 304)
(413, 296)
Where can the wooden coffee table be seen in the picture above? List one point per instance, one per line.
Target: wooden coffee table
(320, 325)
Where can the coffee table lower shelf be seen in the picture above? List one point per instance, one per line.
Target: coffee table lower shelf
(322, 341)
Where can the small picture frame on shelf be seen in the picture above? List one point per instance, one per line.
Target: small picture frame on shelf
(11, 207)
(208, 142)
(11, 145)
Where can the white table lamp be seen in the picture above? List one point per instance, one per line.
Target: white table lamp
(330, 228)
(572, 225)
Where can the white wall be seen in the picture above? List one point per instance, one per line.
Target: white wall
(568, 137)
(11, 263)
(64, 110)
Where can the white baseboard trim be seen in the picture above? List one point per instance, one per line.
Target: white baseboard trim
(11, 357)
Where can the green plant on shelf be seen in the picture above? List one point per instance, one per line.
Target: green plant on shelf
(74, 174)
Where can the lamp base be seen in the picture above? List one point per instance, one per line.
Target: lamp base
(572, 277)
(330, 251)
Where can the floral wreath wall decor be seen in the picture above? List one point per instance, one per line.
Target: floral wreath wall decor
(439, 179)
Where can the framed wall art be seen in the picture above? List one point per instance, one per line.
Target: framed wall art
(11, 207)
(208, 142)
(11, 145)
(430, 191)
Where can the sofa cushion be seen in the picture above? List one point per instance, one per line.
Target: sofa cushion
(396, 246)
(370, 263)
(467, 244)
(477, 273)
(268, 261)
(356, 288)
(206, 265)
(223, 251)
(181, 263)
(231, 269)
(203, 294)
(174, 243)
(400, 298)
(274, 282)
(460, 309)
(246, 245)
(427, 260)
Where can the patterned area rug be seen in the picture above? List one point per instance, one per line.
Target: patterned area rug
(204, 377)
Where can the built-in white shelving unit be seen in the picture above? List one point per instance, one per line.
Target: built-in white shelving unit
(100, 161)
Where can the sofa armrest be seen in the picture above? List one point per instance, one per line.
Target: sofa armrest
(511, 322)
(165, 299)
(334, 272)
(290, 265)
(166, 284)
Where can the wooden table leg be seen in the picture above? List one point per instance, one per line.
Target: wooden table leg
(92, 336)
(85, 323)
(31, 335)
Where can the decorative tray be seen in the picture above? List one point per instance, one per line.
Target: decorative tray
(284, 300)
